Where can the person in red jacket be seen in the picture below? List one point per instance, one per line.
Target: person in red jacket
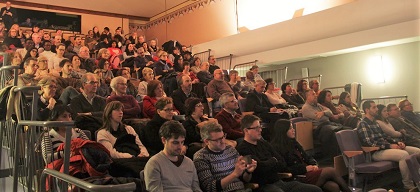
(228, 118)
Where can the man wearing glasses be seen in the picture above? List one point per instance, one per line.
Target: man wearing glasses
(170, 170)
(228, 118)
(88, 103)
(269, 161)
(406, 128)
(28, 77)
(407, 112)
(219, 166)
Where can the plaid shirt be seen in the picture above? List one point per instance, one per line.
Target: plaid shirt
(371, 135)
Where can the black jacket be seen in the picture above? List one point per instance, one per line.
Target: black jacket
(258, 103)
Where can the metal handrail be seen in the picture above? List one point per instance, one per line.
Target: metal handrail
(203, 52)
(83, 184)
(382, 97)
(15, 69)
(246, 63)
(305, 78)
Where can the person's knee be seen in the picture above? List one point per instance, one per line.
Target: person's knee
(331, 186)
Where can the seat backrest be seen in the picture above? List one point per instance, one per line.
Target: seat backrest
(304, 134)
(298, 119)
(414, 168)
(242, 103)
(348, 141)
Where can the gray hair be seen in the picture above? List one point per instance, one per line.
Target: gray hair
(224, 98)
(116, 80)
(209, 127)
(46, 81)
(260, 82)
(85, 77)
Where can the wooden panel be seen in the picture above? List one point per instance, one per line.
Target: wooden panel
(304, 134)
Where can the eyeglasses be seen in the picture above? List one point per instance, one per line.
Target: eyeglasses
(93, 82)
(43, 61)
(257, 127)
(199, 105)
(34, 65)
(168, 110)
(123, 84)
(409, 104)
(50, 86)
(218, 139)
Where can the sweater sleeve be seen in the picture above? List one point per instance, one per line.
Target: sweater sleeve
(207, 180)
(152, 176)
(388, 129)
(149, 108)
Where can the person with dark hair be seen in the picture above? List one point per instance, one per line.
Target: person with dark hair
(96, 34)
(291, 96)
(154, 93)
(114, 129)
(164, 112)
(129, 51)
(195, 65)
(12, 40)
(219, 166)
(113, 48)
(273, 95)
(212, 64)
(27, 78)
(28, 44)
(170, 170)
(8, 15)
(57, 135)
(254, 70)
(371, 135)
(270, 162)
(301, 163)
(249, 83)
(347, 106)
(302, 86)
(77, 43)
(325, 99)
(32, 53)
(186, 70)
(182, 93)
(77, 71)
(103, 42)
(54, 62)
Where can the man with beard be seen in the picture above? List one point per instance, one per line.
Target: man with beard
(182, 93)
(169, 170)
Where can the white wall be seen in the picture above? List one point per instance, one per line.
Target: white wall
(401, 61)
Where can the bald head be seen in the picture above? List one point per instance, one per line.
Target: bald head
(218, 74)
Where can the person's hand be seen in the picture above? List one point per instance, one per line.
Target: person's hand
(273, 109)
(294, 92)
(311, 168)
(51, 103)
(240, 166)
(394, 146)
(251, 167)
(403, 131)
(149, 63)
(319, 114)
(196, 81)
(84, 113)
(401, 145)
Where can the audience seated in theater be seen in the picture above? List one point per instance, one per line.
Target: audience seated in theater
(314, 85)
(107, 33)
(28, 44)
(270, 162)
(48, 98)
(140, 40)
(104, 75)
(217, 87)
(131, 108)
(389, 149)
(142, 61)
(27, 78)
(291, 96)
(90, 40)
(86, 62)
(43, 70)
(77, 43)
(57, 135)
(182, 93)
(161, 67)
(195, 65)
(55, 42)
(410, 131)
(219, 166)
(96, 34)
(47, 51)
(212, 64)
(153, 46)
(118, 37)
(46, 37)
(12, 40)
(228, 118)
(188, 57)
(254, 70)
(53, 63)
(301, 163)
(186, 70)
(164, 112)
(257, 102)
(325, 99)
(113, 48)
(302, 86)
(133, 38)
(77, 71)
(407, 112)
(103, 42)
(147, 77)
(36, 38)
(32, 53)
(400, 135)
(146, 48)
(178, 64)
(113, 130)
(352, 114)
(173, 55)
(236, 84)
(131, 88)
(154, 93)
(129, 52)
(69, 50)
(170, 170)
(204, 75)
(88, 103)
(128, 153)
(249, 83)
(194, 120)
(324, 130)
(274, 96)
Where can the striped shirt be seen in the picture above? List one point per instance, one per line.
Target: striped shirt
(212, 167)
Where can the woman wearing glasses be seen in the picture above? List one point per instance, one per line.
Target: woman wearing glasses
(47, 99)
(300, 163)
(164, 112)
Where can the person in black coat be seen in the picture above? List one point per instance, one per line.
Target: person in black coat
(47, 99)
(182, 93)
(258, 102)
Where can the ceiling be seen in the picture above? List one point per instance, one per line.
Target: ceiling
(138, 8)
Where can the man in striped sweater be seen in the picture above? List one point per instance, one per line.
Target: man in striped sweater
(219, 167)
